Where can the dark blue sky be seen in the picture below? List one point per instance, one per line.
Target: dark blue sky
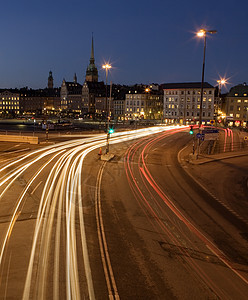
(146, 41)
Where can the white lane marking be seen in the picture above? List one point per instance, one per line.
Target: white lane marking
(36, 187)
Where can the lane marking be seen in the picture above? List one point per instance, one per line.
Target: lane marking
(108, 271)
(36, 187)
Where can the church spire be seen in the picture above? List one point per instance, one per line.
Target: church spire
(92, 51)
(92, 72)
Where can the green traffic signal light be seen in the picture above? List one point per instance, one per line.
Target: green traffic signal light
(111, 130)
(191, 130)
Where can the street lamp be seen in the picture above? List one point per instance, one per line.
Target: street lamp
(221, 81)
(203, 33)
(106, 67)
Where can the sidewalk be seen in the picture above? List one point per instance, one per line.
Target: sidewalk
(202, 159)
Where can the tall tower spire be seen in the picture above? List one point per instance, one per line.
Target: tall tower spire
(92, 59)
(50, 80)
(92, 72)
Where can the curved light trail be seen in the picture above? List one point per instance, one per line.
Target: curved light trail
(151, 201)
(59, 211)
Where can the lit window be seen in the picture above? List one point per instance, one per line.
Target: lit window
(245, 95)
(239, 100)
(237, 115)
(235, 94)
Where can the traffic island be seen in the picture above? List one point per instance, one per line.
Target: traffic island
(107, 156)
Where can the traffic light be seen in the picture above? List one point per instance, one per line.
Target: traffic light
(191, 130)
(111, 130)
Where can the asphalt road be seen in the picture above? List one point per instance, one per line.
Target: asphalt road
(136, 227)
(168, 237)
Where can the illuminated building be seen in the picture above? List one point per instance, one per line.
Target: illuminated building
(182, 102)
(236, 105)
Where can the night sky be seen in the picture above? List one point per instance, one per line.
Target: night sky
(145, 41)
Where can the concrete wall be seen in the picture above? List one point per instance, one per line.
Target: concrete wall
(19, 139)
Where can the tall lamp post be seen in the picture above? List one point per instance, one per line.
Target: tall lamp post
(203, 33)
(220, 82)
(106, 67)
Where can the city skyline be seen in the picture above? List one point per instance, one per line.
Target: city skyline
(144, 44)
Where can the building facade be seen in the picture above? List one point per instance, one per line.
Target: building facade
(90, 92)
(9, 103)
(144, 104)
(182, 102)
(71, 96)
(38, 102)
(236, 105)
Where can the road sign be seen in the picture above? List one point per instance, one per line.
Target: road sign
(206, 131)
(246, 138)
(200, 136)
(211, 121)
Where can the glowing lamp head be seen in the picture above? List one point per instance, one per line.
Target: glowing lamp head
(201, 33)
(106, 66)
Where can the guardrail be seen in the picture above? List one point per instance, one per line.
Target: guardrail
(19, 139)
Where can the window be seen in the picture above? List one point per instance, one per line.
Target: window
(231, 108)
(210, 92)
(182, 92)
(238, 100)
(237, 115)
